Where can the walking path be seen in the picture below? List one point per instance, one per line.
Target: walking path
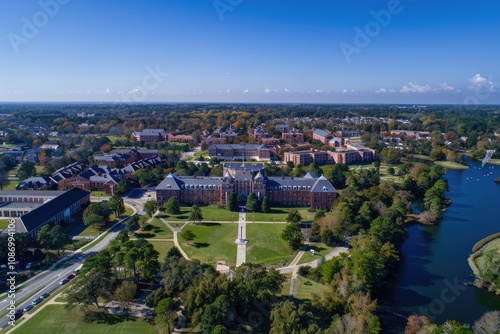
(176, 230)
(293, 267)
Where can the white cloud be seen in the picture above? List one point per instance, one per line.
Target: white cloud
(228, 90)
(286, 90)
(267, 90)
(345, 91)
(479, 82)
(413, 88)
(246, 91)
(384, 91)
(318, 91)
(447, 88)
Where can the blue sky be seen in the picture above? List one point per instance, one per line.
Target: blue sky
(323, 51)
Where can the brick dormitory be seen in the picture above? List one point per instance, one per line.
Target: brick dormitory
(243, 179)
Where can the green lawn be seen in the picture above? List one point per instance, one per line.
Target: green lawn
(99, 193)
(266, 246)
(422, 157)
(157, 230)
(162, 247)
(10, 184)
(92, 230)
(214, 213)
(494, 246)
(56, 319)
(213, 242)
(199, 154)
(4, 222)
(494, 162)
(39, 169)
(451, 165)
(285, 291)
(320, 250)
(113, 139)
(305, 287)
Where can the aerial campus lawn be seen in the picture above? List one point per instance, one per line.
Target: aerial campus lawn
(320, 250)
(451, 165)
(306, 287)
(162, 247)
(265, 245)
(214, 213)
(214, 242)
(92, 230)
(155, 230)
(56, 319)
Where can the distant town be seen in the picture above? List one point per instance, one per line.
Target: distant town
(189, 217)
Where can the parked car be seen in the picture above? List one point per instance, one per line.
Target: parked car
(45, 295)
(28, 308)
(28, 266)
(19, 313)
(63, 281)
(70, 277)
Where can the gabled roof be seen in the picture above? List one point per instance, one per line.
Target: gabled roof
(170, 182)
(322, 185)
(310, 175)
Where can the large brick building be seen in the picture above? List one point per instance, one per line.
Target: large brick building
(149, 135)
(240, 152)
(309, 191)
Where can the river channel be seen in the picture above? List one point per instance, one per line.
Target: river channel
(433, 267)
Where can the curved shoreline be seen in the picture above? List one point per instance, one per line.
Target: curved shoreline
(477, 252)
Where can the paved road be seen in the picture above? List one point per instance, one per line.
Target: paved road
(48, 281)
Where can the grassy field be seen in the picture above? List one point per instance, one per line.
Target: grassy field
(494, 162)
(266, 246)
(39, 169)
(99, 193)
(286, 285)
(213, 213)
(199, 154)
(92, 230)
(162, 247)
(213, 242)
(422, 157)
(320, 250)
(305, 287)
(157, 230)
(10, 184)
(493, 245)
(56, 319)
(4, 222)
(451, 165)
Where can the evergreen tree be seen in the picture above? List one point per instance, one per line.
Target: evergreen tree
(171, 206)
(265, 205)
(232, 202)
(252, 203)
(195, 214)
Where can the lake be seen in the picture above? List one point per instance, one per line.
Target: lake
(433, 266)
